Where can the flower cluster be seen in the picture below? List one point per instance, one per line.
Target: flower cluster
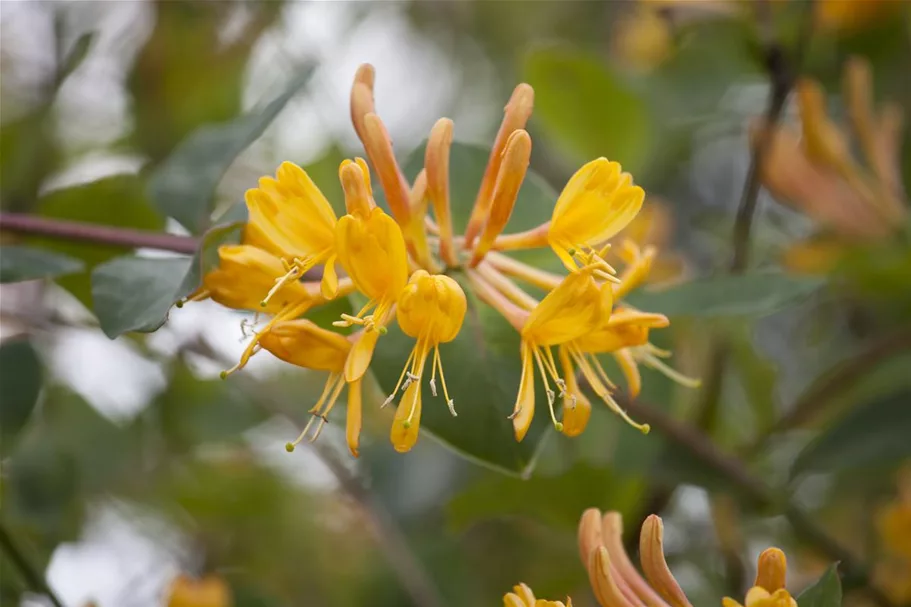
(616, 582)
(296, 253)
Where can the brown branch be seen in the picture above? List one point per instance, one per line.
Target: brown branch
(20, 223)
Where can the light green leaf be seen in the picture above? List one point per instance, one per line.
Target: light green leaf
(482, 364)
(752, 294)
(26, 263)
(135, 293)
(183, 186)
(825, 592)
(875, 433)
(585, 107)
(20, 376)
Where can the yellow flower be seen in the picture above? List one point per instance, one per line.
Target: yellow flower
(245, 274)
(893, 524)
(574, 307)
(430, 309)
(851, 15)
(290, 218)
(302, 343)
(522, 596)
(596, 203)
(371, 249)
(210, 591)
(760, 597)
(768, 590)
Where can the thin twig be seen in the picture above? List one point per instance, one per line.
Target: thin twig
(29, 571)
(75, 230)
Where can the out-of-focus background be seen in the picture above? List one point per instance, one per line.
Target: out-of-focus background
(127, 462)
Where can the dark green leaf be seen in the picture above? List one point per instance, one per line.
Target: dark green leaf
(753, 294)
(135, 293)
(26, 263)
(583, 105)
(183, 186)
(874, 433)
(20, 378)
(76, 55)
(482, 364)
(116, 201)
(825, 592)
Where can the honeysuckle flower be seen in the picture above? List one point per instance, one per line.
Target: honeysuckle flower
(303, 343)
(576, 306)
(209, 591)
(893, 526)
(845, 16)
(290, 218)
(371, 249)
(769, 588)
(522, 596)
(430, 309)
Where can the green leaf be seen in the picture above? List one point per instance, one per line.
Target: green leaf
(752, 294)
(482, 364)
(116, 201)
(183, 186)
(20, 376)
(825, 592)
(875, 433)
(227, 230)
(26, 263)
(136, 293)
(556, 501)
(585, 107)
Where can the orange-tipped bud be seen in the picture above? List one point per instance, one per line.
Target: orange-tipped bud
(604, 582)
(589, 534)
(513, 167)
(516, 114)
(436, 164)
(824, 143)
(379, 149)
(362, 97)
(771, 570)
(651, 551)
(356, 187)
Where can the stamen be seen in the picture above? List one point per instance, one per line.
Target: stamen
(433, 385)
(438, 363)
(280, 282)
(405, 372)
(652, 361)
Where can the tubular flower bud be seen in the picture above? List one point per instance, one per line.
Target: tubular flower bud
(290, 218)
(430, 309)
(651, 551)
(515, 116)
(515, 161)
(573, 308)
(303, 343)
(436, 165)
(522, 596)
(772, 569)
(362, 97)
(597, 202)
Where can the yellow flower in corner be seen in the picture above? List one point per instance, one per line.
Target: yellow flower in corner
(430, 309)
(522, 596)
(768, 590)
(290, 218)
(760, 597)
(303, 343)
(574, 307)
(371, 249)
(210, 591)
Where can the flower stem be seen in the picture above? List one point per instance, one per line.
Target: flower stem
(21, 223)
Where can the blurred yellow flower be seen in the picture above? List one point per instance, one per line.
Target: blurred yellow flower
(430, 309)
(851, 15)
(522, 596)
(893, 524)
(210, 591)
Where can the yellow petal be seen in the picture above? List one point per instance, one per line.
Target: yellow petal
(372, 252)
(576, 407)
(357, 193)
(360, 356)
(567, 312)
(431, 307)
(210, 591)
(524, 410)
(513, 600)
(729, 602)
(353, 420)
(630, 370)
(329, 283)
(528, 597)
(771, 570)
(407, 420)
(244, 276)
(651, 551)
(303, 343)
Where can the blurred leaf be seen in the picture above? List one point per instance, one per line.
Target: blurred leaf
(752, 294)
(115, 201)
(228, 229)
(482, 364)
(556, 501)
(583, 105)
(76, 56)
(825, 592)
(20, 376)
(135, 293)
(28, 154)
(758, 376)
(874, 433)
(26, 263)
(183, 186)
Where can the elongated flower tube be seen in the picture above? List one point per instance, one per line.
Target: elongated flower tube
(522, 596)
(290, 218)
(576, 306)
(431, 310)
(303, 343)
(371, 249)
(436, 165)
